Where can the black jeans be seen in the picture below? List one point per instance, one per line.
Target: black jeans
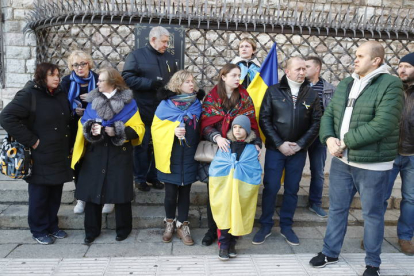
(93, 219)
(44, 203)
(176, 195)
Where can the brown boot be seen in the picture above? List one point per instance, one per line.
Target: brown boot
(183, 232)
(169, 230)
(407, 247)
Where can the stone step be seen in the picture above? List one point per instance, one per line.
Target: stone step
(15, 217)
(15, 192)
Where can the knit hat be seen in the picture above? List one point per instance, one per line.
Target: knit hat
(244, 122)
(408, 58)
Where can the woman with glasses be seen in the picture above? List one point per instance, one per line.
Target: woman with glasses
(111, 126)
(77, 84)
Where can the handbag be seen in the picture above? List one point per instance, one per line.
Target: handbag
(15, 159)
(206, 151)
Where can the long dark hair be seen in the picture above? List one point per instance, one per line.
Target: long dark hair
(42, 69)
(221, 88)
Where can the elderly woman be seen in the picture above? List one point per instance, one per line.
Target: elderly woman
(111, 126)
(47, 131)
(248, 63)
(175, 130)
(226, 101)
(77, 84)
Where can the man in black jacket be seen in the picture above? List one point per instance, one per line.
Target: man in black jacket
(289, 118)
(145, 70)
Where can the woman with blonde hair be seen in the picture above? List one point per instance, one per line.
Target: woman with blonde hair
(111, 126)
(77, 84)
(175, 132)
(248, 63)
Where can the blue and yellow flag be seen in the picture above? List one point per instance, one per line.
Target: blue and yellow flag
(167, 117)
(233, 190)
(266, 77)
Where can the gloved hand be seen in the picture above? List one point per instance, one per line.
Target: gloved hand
(156, 84)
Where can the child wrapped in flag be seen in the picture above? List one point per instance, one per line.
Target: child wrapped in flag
(175, 132)
(234, 182)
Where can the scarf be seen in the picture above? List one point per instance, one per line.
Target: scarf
(184, 101)
(74, 90)
(213, 111)
(124, 115)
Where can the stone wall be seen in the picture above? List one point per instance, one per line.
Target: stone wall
(20, 49)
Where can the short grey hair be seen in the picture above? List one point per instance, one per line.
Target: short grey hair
(158, 32)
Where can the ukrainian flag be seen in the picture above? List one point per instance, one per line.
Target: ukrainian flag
(266, 77)
(233, 190)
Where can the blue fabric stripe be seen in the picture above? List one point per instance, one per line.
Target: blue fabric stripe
(167, 110)
(126, 113)
(268, 71)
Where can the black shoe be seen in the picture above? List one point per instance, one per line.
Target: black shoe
(209, 238)
(88, 240)
(224, 254)
(232, 251)
(322, 260)
(371, 271)
(143, 186)
(121, 237)
(157, 185)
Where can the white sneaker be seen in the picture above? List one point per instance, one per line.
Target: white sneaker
(108, 208)
(80, 207)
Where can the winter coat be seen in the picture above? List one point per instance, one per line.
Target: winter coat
(182, 164)
(51, 125)
(142, 67)
(66, 86)
(406, 145)
(106, 173)
(373, 130)
(280, 120)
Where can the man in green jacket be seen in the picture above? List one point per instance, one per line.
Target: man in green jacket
(360, 128)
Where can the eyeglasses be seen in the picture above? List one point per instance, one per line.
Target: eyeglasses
(101, 80)
(81, 65)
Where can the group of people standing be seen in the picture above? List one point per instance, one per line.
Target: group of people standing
(153, 116)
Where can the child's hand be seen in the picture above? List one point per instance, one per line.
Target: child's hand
(222, 143)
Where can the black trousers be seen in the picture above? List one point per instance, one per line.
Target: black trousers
(44, 203)
(177, 196)
(93, 219)
(225, 239)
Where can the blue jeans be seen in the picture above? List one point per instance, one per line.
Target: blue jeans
(275, 162)
(317, 157)
(405, 166)
(344, 182)
(144, 161)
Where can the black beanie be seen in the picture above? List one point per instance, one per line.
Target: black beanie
(408, 58)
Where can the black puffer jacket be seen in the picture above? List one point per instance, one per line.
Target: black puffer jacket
(406, 145)
(281, 121)
(182, 164)
(141, 69)
(51, 125)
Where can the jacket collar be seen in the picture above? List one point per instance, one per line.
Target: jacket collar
(285, 85)
(250, 138)
(33, 85)
(152, 50)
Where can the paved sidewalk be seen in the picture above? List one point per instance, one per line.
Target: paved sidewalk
(143, 253)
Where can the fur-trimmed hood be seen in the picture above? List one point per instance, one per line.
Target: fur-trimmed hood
(250, 138)
(107, 108)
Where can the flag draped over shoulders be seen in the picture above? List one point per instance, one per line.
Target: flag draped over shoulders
(266, 77)
(129, 115)
(213, 111)
(233, 190)
(167, 117)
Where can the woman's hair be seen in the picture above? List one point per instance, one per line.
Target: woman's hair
(81, 54)
(114, 78)
(221, 88)
(174, 85)
(250, 41)
(41, 71)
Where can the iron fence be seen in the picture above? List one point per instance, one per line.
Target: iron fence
(2, 66)
(105, 28)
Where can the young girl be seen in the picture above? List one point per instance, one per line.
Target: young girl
(234, 182)
(248, 63)
(175, 132)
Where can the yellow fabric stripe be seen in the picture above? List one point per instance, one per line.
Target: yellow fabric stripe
(134, 122)
(257, 90)
(162, 132)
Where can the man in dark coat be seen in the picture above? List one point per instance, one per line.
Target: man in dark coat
(145, 70)
(289, 118)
